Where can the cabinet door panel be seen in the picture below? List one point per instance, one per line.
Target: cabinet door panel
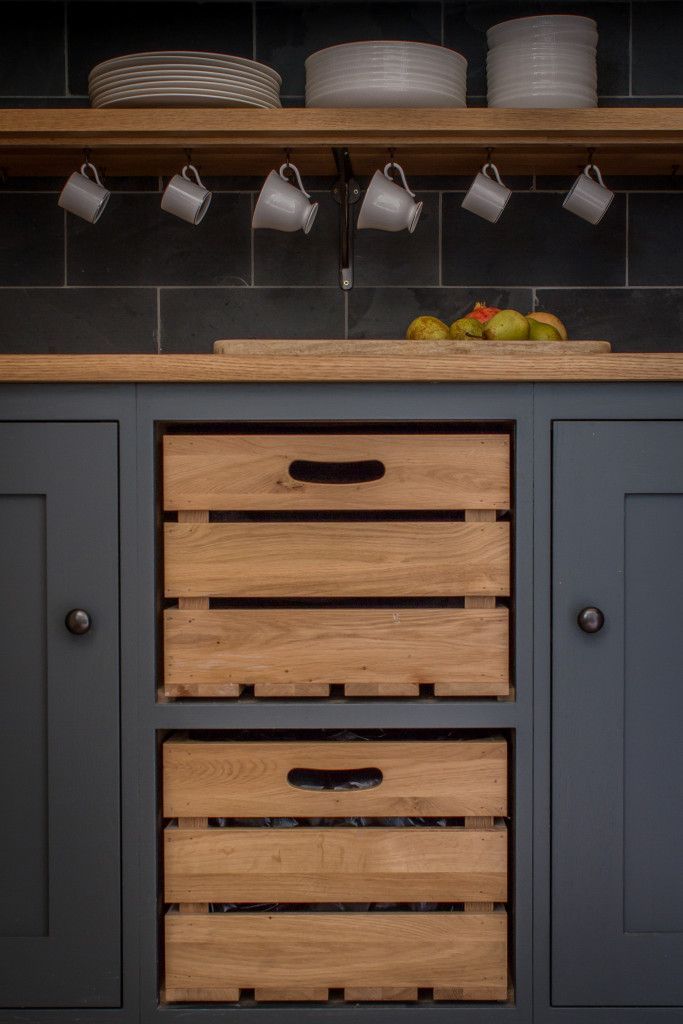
(617, 797)
(59, 744)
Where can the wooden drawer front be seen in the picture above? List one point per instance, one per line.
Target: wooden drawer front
(254, 472)
(295, 865)
(459, 955)
(361, 648)
(227, 779)
(321, 559)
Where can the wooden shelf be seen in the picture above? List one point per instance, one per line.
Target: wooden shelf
(97, 369)
(435, 142)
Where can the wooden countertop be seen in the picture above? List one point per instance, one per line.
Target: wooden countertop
(281, 367)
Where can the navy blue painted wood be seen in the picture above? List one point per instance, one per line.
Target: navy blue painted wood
(60, 891)
(617, 705)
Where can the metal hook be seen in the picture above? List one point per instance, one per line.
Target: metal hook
(86, 155)
(591, 162)
(3, 176)
(489, 154)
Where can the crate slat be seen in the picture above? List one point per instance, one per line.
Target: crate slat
(235, 779)
(372, 651)
(332, 559)
(252, 472)
(379, 865)
(353, 950)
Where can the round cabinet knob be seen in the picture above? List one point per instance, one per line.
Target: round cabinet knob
(78, 621)
(591, 620)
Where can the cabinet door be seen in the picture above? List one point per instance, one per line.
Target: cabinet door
(60, 888)
(617, 712)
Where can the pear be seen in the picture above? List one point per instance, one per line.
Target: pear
(466, 327)
(427, 328)
(538, 331)
(508, 325)
(550, 318)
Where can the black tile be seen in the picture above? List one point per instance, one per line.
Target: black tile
(633, 319)
(55, 184)
(535, 242)
(80, 320)
(657, 36)
(32, 49)
(97, 31)
(617, 182)
(465, 26)
(641, 101)
(137, 243)
(284, 259)
(386, 312)
(31, 240)
(192, 320)
(387, 257)
(44, 102)
(654, 239)
(287, 33)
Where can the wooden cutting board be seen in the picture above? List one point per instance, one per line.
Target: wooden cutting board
(236, 347)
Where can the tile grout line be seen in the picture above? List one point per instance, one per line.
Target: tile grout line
(158, 322)
(440, 239)
(627, 242)
(253, 29)
(630, 48)
(65, 29)
(66, 281)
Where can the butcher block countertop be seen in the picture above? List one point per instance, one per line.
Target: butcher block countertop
(281, 361)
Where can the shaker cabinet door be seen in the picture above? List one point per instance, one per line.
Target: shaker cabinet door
(617, 714)
(60, 888)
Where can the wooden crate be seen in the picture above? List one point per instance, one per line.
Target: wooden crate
(303, 652)
(216, 957)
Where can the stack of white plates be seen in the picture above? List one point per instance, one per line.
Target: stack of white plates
(544, 61)
(386, 74)
(182, 78)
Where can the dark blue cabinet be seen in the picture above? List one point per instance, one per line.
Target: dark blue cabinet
(617, 713)
(60, 893)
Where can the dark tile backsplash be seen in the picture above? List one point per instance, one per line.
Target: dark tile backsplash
(140, 281)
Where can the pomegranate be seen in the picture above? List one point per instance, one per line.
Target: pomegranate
(483, 313)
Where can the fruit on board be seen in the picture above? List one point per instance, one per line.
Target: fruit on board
(483, 313)
(550, 318)
(508, 325)
(542, 332)
(466, 327)
(427, 328)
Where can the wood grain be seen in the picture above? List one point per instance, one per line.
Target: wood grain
(371, 347)
(238, 865)
(425, 366)
(331, 559)
(337, 950)
(235, 779)
(425, 471)
(464, 649)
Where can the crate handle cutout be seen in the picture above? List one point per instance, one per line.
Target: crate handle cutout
(337, 779)
(363, 471)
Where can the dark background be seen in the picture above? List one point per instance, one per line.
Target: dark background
(141, 281)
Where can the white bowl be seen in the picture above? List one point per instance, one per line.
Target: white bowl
(378, 77)
(368, 49)
(415, 96)
(532, 71)
(544, 100)
(552, 23)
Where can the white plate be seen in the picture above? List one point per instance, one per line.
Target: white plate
(132, 60)
(381, 78)
(383, 47)
(183, 99)
(546, 102)
(557, 23)
(174, 84)
(182, 70)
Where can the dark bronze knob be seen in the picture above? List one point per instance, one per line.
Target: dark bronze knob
(591, 620)
(78, 621)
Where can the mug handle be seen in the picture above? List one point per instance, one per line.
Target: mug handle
(596, 173)
(491, 167)
(191, 169)
(397, 167)
(87, 166)
(295, 171)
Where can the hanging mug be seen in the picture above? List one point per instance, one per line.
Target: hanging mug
(186, 198)
(83, 195)
(487, 196)
(589, 197)
(388, 206)
(283, 206)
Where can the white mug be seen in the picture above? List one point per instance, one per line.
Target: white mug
(486, 197)
(589, 198)
(388, 206)
(185, 198)
(283, 206)
(84, 196)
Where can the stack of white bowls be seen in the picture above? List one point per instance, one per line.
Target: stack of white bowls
(183, 78)
(386, 74)
(543, 61)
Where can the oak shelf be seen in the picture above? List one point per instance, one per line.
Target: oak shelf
(629, 140)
